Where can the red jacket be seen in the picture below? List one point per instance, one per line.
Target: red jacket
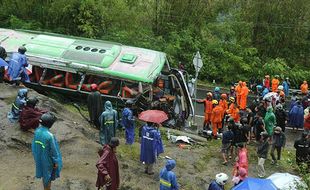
(307, 122)
(107, 164)
(29, 117)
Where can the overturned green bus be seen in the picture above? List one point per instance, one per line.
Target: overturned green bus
(69, 65)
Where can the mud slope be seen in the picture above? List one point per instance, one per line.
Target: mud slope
(195, 167)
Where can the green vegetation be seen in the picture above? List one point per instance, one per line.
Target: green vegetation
(237, 39)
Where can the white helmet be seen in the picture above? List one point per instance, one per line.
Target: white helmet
(221, 178)
(280, 87)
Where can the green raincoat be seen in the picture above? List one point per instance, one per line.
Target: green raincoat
(108, 123)
(270, 121)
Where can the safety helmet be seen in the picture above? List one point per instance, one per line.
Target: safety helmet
(276, 76)
(93, 87)
(217, 89)
(221, 178)
(280, 87)
(232, 88)
(209, 94)
(232, 99)
(22, 50)
(267, 76)
(32, 101)
(48, 119)
(224, 96)
(215, 102)
(231, 120)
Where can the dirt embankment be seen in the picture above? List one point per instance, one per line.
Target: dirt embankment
(195, 167)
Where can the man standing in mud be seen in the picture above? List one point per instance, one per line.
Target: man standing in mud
(108, 123)
(46, 152)
(107, 165)
(94, 105)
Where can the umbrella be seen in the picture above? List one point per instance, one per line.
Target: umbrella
(154, 116)
(286, 181)
(255, 184)
(3, 63)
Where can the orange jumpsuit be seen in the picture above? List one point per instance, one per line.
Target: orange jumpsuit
(243, 96)
(238, 91)
(304, 88)
(274, 84)
(224, 105)
(234, 112)
(216, 119)
(208, 111)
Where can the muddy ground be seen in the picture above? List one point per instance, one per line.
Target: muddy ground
(196, 166)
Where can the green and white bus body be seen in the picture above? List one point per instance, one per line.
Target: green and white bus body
(70, 65)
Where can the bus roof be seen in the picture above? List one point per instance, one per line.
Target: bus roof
(113, 59)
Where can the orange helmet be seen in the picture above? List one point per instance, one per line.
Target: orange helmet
(209, 94)
(224, 96)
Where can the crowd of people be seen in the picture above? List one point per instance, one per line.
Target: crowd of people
(228, 115)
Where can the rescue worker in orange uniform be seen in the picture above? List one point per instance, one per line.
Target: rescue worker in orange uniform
(233, 110)
(275, 83)
(243, 96)
(238, 92)
(216, 117)
(304, 88)
(208, 110)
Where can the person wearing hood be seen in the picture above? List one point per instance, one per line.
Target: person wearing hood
(107, 165)
(281, 116)
(286, 86)
(265, 91)
(167, 178)
(46, 152)
(294, 99)
(275, 83)
(151, 146)
(108, 123)
(243, 96)
(2, 56)
(19, 103)
(17, 66)
(278, 142)
(270, 121)
(238, 92)
(296, 116)
(30, 115)
(94, 105)
(304, 88)
(219, 182)
(128, 122)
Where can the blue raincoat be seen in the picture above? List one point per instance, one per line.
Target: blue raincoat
(17, 67)
(265, 91)
(128, 123)
(296, 116)
(108, 123)
(168, 180)
(286, 88)
(215, 186)
(151, 144)
(17, 106)
(46, 153)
